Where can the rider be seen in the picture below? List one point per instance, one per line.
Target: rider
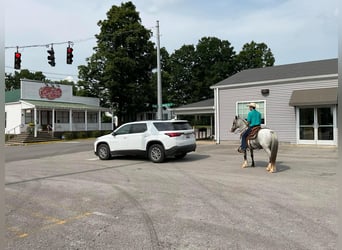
(253, 120)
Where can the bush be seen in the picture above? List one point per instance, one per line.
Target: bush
(68, 136)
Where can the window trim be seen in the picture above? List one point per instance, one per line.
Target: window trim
(264, 113)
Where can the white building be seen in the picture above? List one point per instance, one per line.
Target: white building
(51, 107)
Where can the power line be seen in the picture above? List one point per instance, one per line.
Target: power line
(49, 44)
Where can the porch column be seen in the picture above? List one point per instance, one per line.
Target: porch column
(53, 120)
(35, 121)
(86, 120)
(99, 119)
(70, 120)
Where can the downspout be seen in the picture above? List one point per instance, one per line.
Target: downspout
(217, 117)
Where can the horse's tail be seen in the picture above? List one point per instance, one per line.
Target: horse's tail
(274, 147)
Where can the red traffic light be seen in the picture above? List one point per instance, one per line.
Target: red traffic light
(17, 60)
(69, 55)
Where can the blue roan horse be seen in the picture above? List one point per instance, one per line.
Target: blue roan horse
(266, 139)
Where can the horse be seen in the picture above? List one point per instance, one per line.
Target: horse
(266, 139)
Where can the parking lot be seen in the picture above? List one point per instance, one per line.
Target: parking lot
(204, 201)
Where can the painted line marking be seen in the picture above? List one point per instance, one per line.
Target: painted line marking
(54, 221)
(92, 159)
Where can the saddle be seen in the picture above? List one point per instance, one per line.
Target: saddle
(254, 133)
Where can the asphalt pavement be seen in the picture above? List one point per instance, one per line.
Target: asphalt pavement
(204, 201)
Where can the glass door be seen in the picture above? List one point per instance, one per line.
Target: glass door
(307, 124)
(317, 125)
(325, 124)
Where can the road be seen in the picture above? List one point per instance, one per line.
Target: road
(204, 201)
(39, 150)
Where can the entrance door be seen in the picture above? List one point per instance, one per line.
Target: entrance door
(46, 118)
(317, 125)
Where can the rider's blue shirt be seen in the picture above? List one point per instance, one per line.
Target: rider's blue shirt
(254, 118)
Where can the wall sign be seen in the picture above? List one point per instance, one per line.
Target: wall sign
(50, 92)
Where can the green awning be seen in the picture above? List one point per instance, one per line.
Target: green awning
(63, 105)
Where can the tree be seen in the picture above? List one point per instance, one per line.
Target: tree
(13, 81)
(125, 57)
(181, 86)
(254, 55)
(214, 62)
(194, 69)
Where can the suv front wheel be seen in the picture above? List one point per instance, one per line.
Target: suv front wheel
(103, 151)
(156, 153)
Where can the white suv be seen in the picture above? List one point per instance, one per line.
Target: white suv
(156, 140)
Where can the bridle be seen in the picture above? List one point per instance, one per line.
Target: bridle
(238, 129)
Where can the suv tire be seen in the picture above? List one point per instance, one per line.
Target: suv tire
(156, 153)
(103, 151)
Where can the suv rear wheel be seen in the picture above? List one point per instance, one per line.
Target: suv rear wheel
(103, 151)
(156, 153)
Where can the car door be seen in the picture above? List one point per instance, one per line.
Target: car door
(130, 137)
(136, 138)
(119, 139)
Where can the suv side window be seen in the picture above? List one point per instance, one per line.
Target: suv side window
(123, 130)
(138, 128)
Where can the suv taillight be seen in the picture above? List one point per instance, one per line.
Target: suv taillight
(174, 134)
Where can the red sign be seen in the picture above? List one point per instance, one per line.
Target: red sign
(50, 93)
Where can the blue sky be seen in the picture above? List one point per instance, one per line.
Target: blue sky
(295, 31)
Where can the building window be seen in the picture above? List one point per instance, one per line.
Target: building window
(28, 116)
(92, 117)
(242, 109)
(62, 116)
(78, 117)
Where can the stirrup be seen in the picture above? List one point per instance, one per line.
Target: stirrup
(240, 150)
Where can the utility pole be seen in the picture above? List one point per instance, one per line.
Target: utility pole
(159, 85)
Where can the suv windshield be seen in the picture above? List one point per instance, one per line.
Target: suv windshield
(168, 126)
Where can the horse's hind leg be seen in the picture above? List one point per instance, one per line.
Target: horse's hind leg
(269, 166)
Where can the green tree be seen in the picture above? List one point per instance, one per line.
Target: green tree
(254, 55)
(181, 88)
(125, 58)
(13, 81)
(214, 62)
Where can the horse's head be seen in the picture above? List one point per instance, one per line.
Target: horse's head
(238, 124)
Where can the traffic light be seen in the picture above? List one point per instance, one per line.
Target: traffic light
(51, 57)
(17, 60)
(69, 55)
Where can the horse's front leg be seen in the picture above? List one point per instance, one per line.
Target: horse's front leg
(252, 156)
(245, 163)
